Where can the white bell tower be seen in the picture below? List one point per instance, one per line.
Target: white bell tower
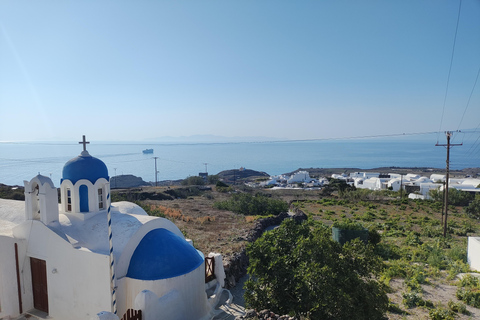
(41, 200)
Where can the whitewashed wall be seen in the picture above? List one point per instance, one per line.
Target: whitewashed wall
(473, 251)
(78, 280)
(190, 287)
(9, 305)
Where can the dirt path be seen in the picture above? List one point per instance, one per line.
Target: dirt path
(237, 307)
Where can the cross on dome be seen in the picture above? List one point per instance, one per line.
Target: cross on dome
(84, 142)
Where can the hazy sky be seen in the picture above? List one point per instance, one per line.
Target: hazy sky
(129, 70)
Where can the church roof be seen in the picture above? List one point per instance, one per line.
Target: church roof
(12, 213)
(130, 225)
(84, 167)
(91, 234)
(44, 179)
(161, 255)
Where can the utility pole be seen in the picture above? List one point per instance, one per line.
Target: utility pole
(448, 145)
(401, 186)
(443, 203)
(205, 167)
(156, 172)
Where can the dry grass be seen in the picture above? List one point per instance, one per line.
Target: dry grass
(211, 230)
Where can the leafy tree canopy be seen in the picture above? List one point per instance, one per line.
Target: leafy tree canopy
(337, 185)
(473, 209)
(455, 197)
(297, 269)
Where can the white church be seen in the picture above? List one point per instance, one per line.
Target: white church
(87, 258)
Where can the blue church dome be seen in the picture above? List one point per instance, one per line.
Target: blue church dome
(84, 167)
(161, 254)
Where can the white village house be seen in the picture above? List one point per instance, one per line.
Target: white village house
(56, 257)
(299, 177)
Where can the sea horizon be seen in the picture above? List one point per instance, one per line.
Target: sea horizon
(21, 161)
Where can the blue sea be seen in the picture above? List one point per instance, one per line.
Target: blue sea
(22, 161)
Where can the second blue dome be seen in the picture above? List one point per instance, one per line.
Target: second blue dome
(84, 167)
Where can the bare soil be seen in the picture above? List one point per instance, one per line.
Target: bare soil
(437, 292)
(211, 230)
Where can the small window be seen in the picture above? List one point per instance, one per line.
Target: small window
(100, 198)
(69, 200)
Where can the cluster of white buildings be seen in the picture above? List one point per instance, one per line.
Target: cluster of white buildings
(292, 181)
(417, 186)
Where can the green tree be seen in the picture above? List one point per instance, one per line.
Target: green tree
(297, 269)
(455, 197)
(337, 185)
(473, 209)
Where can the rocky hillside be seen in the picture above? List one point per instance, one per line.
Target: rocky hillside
(127, 181)
(237, 175)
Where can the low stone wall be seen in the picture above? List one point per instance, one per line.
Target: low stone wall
(236, 265)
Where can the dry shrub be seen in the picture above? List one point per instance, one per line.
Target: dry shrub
(202, 220)
(170, 212)
(250, 219)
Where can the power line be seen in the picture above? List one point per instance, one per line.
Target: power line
(474, 146)
(469, 98)
(249, 142)
(450, 68)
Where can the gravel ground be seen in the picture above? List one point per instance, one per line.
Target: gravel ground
(237, 307)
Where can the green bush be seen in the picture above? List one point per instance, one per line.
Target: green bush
(388, 251)
(332, 202)
(245, 203)
(374, 237)
(193, 181)
(469, 291)
(457, 253)
(213, 179)
(368, 216)
(473, 209)
(221, 184)
(298, 269)
(440, 313)
(458, 307)
(8, 192)
(413, 239)
(394, 308)
(455, 197)
(348, 225)
(456, 267)
(396, 269)
(436, 258)
(470, 296)
(414, 299)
